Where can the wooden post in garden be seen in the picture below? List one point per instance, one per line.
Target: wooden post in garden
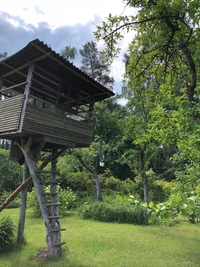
(22, 216)
(50, 217)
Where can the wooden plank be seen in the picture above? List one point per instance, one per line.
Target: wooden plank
(25, 65)
(10, 110)
(52, 133)
(59, 244)
(48, 73)
(94, 84)
(45, 78)
(13, 86)
(57, 141)
(13, 98)
(26, 93)
(55, 131)
(44, 93)
(58, 230)
(45, 86)
(62, 129)
(55, 116)
(12, 68)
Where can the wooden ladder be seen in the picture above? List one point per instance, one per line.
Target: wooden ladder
(52, 196)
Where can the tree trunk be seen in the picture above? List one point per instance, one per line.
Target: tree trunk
(143, 174)
(98, 186)
(22, 216)
(50, 220)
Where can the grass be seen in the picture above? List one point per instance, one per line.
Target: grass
(96, 244)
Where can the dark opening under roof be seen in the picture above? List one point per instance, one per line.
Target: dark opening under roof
(14, 69)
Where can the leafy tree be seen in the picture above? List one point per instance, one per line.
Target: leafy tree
(162, 72)
(94, 64)
(90, 159)
(69, 52)
(109, 118)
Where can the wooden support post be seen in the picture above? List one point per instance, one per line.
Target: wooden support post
(51, 221)
(26, 93)
(21, 224)
(1, 86)
(91, 110)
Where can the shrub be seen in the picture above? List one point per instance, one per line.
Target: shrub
(67, 198)
(118, 212)
(7, 234)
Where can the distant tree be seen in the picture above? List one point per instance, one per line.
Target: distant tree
(94, 64)
(69, 52)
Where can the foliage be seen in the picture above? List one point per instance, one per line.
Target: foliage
(7, 234)
(95, 65)
(161, 82)
(10, 172)
(69, 52)
(66, 197)
(118, 212)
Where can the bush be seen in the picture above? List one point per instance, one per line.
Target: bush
(11, 173)
(118, 212)
(67, 198)
(7, 234)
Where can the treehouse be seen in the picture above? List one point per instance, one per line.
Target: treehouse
(45, 97)
(46, 104)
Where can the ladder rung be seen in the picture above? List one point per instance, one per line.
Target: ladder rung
(53, 204)
(55, 217)
(59, 244)
(48, 194)
(48, 183)
(45, 171)
(48, 160)
(57, 230)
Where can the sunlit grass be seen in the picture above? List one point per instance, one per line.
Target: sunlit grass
(96, 244)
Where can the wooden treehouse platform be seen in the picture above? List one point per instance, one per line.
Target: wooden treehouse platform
(45, 96)
(46, 104)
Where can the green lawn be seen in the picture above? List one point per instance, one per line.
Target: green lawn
(95, 244)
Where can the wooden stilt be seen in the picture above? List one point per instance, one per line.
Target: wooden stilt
(21, 224)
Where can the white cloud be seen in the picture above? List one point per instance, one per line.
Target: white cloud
(122, 101)
(61, 12)
(47, 19)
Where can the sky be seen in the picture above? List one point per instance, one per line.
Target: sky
(58, 23)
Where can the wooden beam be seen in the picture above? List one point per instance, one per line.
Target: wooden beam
(25, 65)
(109, 92)
(45, 78)
(48, 73)
(12, 68)
(26, 94)
(13, 86)
(1, 83)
